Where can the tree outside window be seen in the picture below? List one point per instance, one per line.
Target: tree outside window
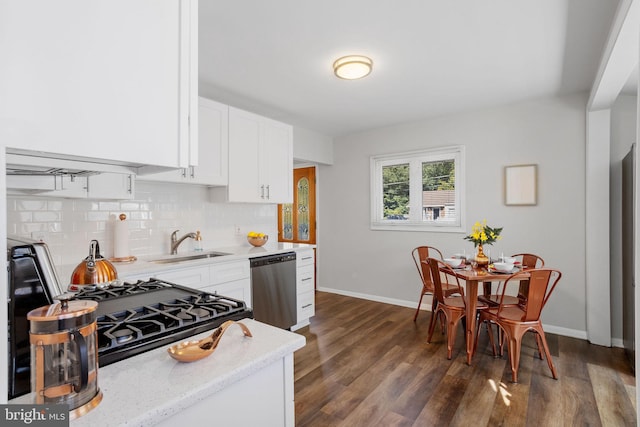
(418, 190)
(395, 182)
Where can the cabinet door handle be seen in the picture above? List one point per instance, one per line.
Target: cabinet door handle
(308, 305)
(307, 278)
(304, 258)
(262, 191)
(130, 184)
(193, 171)
(268, 192)
(184, 172)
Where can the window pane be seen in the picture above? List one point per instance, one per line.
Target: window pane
(287, 221)
(438, 191)
(418, 190)
(395, 188)
(303, 209)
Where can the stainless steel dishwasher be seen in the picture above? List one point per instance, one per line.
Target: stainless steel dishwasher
(273, 289)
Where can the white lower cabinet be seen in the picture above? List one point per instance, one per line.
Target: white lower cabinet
(238, 289)
(194, 277)
(305, 278)
(305, 285)
(231, 279)
(306, 307)
(230, 271)
(264, 398)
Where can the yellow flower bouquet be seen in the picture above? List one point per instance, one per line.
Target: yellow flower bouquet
(482, 234)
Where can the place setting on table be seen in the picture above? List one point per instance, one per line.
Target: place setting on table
(501, 265)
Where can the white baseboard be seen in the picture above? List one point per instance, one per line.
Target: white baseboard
(394, 301)
(617, 342)
(559, 330)
(426, 305)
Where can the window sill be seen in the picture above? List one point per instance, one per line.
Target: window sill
(404, 226)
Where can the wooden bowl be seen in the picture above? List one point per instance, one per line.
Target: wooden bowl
(257, 241)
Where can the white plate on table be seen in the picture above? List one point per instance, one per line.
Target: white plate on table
(455, 263)
(495, 270)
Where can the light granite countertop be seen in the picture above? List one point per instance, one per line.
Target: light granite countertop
(148, 388)
(143, 265)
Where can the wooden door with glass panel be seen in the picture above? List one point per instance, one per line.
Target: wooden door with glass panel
(297, 220)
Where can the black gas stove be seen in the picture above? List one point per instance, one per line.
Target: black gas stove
(131, 318)
(136, 317)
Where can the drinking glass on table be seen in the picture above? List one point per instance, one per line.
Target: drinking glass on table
(461, 255)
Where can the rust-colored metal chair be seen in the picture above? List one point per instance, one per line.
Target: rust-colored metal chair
(453, 308)
(419, 254)
(528, 261)
(516, 320)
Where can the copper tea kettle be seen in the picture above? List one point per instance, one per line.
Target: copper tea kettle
(95, 269)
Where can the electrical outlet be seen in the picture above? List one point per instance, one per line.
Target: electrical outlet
(237, 228)
(41, 236)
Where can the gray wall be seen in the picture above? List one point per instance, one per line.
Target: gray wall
(310, 146)
(549, 132)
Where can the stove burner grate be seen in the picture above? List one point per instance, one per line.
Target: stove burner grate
(134, 318)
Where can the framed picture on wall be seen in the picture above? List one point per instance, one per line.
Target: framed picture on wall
(520, 185)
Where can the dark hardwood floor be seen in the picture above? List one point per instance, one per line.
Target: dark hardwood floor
(369, 364)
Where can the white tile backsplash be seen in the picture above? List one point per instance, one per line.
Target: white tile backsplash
(158, 209)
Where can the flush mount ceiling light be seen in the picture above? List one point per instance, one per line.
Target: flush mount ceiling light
(352, 67)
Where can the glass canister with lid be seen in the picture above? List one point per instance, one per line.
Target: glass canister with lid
(64, 355)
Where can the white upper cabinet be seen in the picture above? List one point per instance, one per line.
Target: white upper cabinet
(113, 80)
(260, 160)
(105, 186)
(276, 161)
(213, 148)
(244, 157)
(213, 137)
(111, 186)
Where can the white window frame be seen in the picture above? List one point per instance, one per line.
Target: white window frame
(415, 159)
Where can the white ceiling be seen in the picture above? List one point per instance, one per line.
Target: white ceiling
(430, 57)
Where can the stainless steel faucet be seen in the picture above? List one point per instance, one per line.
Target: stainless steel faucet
(175, 242)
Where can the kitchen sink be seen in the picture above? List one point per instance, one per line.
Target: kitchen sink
(170, 259)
